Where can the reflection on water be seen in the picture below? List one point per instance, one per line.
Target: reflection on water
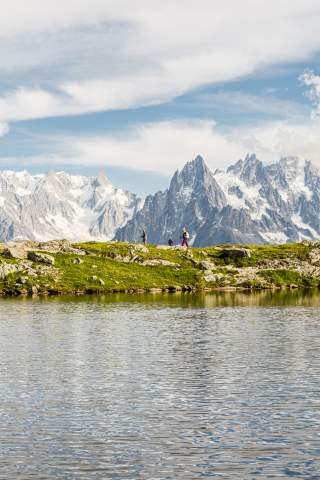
(161, 387)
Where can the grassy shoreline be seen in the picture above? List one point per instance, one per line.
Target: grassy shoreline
(58, 267)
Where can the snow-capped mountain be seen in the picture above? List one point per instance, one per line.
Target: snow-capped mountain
(249, 203)
(59, 205)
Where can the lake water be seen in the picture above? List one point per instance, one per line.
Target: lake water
(161, 387)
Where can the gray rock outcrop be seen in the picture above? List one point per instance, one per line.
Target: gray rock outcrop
(249, 203)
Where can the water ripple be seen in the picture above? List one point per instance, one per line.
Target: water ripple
(178, 389)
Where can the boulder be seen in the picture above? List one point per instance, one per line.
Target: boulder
(41, 257)
(206, 265)
(16, 251)
(7, 268)
(236, 252)
(56, 246)
(158, 261)
(139, 247)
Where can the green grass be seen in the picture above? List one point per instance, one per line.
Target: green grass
(259, 254)
(120, 276)
(101, 262)
(283, 277)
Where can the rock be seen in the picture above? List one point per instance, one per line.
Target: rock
(56, 246)
(119, 258)
(101, 282)
(40, 257)
(210, 277)
(136, 259)
(235, 252)
(174, 288)
(77, 260)
(17, 251)
(154, 290)
(164, 247)
(155, 262)
(139, 247)
(314, 256)
(94, 278)
(206, 265)
(34, 290)
(7, 268)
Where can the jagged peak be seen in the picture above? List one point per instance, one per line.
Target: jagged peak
(236, 168)
(196, 168)
(251, 158)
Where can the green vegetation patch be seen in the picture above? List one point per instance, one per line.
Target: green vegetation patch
(288, 277)
(259, 254)
(118, 276)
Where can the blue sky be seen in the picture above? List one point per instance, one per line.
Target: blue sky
(139, 88)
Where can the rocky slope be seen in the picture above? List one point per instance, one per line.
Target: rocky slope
(59, 205)
(249, 203)
(57, 267)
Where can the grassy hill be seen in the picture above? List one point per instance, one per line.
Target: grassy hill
(59, 267)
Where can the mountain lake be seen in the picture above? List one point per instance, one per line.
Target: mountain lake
(167, 386)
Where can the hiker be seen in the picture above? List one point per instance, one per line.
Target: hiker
(144, 236)
(185, 238)
(170, 242)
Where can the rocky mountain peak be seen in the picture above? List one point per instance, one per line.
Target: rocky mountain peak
(249, 203)
(252, 171)
(196, 168)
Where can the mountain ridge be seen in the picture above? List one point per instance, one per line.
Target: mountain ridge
(60, 205)
(250, 202)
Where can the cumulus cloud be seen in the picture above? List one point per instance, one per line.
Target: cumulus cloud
(165, 146)
(312, 81)
(110, 54)
(280, 139)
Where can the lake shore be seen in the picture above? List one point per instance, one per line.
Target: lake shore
(59, 267)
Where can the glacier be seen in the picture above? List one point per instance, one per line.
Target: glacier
(249, 202)
(59, 205)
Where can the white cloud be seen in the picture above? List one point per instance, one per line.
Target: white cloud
(312, 81)
(161, 147)
(4, 129)
(279, 139)
(82, 56)
(166, 146)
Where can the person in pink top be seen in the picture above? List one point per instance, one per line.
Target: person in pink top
(185, 238)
